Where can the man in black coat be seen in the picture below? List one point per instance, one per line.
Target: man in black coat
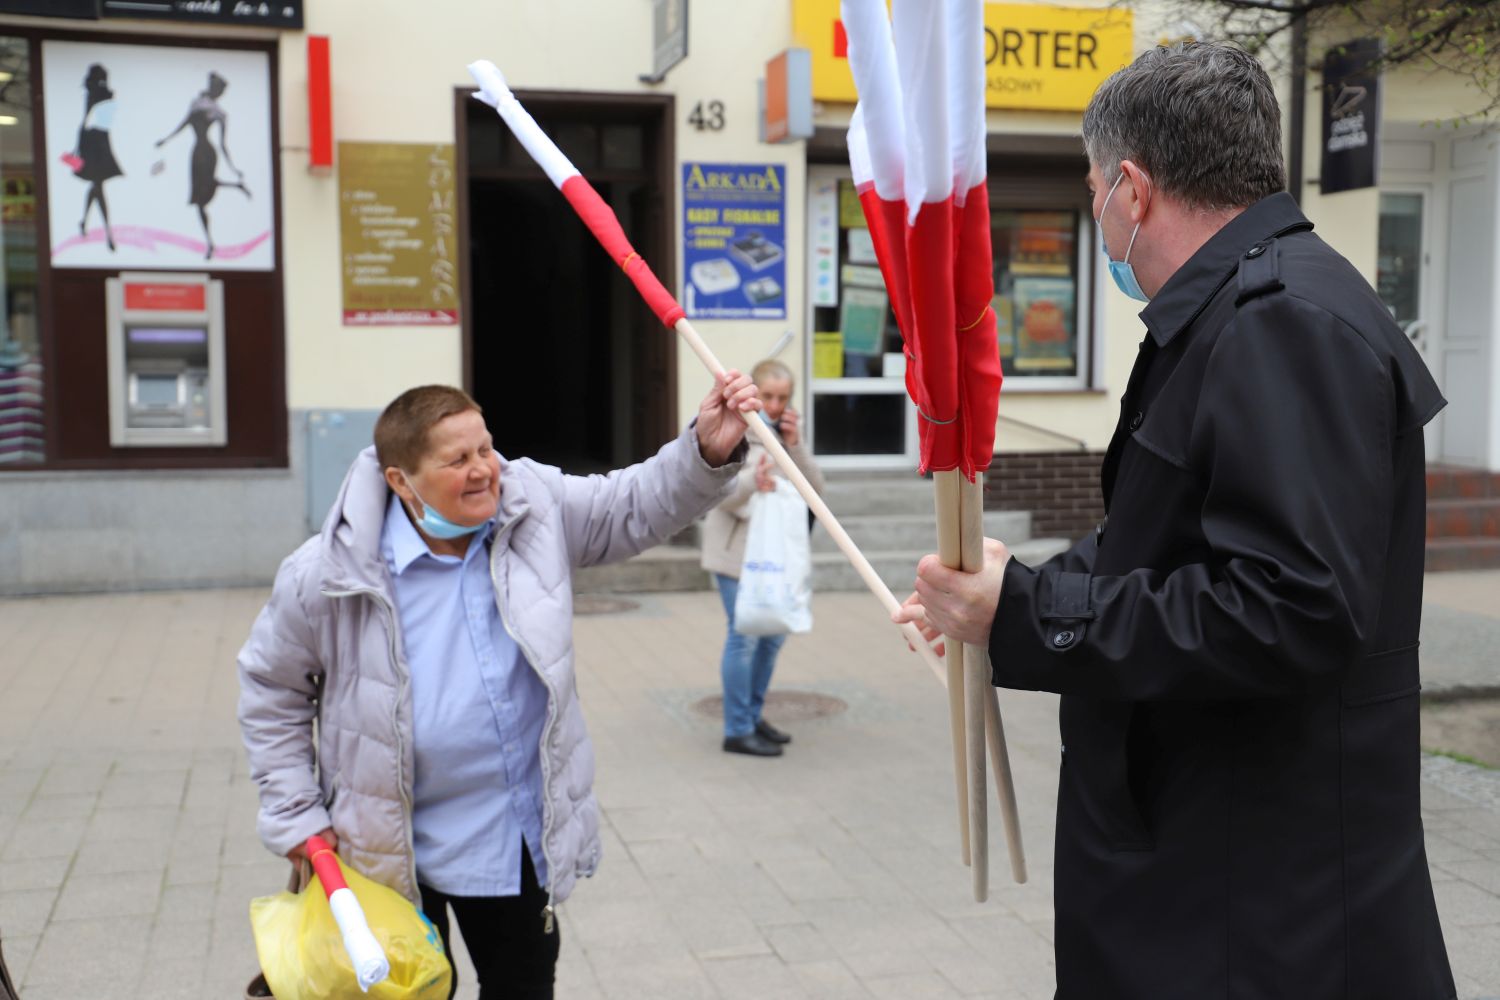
(1236, 645)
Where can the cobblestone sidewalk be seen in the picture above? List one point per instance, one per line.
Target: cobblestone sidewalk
(128, 855)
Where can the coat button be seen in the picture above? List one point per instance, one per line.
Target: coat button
(1255, 251)
(1135, 420)
(1063, 639)
(1099, 531)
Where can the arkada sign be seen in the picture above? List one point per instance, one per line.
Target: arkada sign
(734, 240)
(398, 234)
(1037, 57)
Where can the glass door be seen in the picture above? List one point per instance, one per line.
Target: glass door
(859, 415)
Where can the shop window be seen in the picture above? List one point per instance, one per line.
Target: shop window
(1036, 302)
(21, 361)
(1398, 268)
(1041, 296)
(154, 192)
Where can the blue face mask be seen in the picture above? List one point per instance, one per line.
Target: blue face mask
(1120, 270)
(433, 524)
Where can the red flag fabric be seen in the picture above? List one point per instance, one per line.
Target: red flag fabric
(917, 149)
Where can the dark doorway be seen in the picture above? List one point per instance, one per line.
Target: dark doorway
(570, 366)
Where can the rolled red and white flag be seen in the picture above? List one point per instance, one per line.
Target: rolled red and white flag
(591, 208)
(365, 954)
(917, 152)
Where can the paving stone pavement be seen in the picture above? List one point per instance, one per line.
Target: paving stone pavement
(128, 853)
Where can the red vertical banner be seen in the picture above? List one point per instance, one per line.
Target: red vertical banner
(319, 103)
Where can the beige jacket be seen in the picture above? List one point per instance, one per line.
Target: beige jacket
(725, 527)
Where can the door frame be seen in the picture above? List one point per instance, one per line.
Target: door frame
(845, 386)
(658, 251)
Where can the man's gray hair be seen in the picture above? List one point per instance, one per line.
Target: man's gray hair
(1199, 118)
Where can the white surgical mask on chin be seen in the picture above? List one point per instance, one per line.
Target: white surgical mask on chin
(1120, 270)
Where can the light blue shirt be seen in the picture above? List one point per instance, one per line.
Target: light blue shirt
(477, 711)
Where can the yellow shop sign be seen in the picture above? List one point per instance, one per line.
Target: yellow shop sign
(1037, 57)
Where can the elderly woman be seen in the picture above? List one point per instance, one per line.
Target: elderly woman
(428, 632)
(747, 662)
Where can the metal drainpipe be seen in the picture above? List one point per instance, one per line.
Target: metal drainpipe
(1298, 128)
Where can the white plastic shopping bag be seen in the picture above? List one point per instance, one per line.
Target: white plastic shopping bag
(775, 592)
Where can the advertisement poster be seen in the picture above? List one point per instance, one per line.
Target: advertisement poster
(1043, 317)
(158, 157)
(734, 240)
(398, 234)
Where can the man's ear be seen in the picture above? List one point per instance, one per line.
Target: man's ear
(1141, 189)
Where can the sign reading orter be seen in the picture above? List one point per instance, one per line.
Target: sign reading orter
(247, 13)
(1037, 57)
(397, 227)
(1351, 116)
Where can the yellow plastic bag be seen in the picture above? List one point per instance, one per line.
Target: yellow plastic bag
(302, 953)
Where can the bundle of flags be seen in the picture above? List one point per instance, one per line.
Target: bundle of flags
(917, 151)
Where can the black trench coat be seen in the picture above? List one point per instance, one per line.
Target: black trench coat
(1236, 647)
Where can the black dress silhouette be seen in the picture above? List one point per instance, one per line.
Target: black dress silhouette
(204, 183)
(96, 159)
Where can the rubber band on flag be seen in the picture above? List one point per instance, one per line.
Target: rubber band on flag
(979, 319)
(934, 420)
(625, 264)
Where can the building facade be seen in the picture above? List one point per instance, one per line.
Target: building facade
(201, 321)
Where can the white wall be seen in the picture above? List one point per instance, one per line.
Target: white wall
(394, 67)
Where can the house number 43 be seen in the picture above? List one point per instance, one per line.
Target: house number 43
(707, 116)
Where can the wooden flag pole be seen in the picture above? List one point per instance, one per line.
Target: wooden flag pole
(976, 685)
(768, 439)
(1010, 818)
(946, 492)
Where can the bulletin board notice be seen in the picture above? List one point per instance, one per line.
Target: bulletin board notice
(398, 235)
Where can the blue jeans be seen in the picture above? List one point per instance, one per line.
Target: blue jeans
(745, 668)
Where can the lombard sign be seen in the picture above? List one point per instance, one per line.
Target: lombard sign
(1037, 57)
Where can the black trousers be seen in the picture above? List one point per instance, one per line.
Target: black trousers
(513, 955)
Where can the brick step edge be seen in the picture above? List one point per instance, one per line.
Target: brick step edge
(1462, 484)
(1463, 519)
(1462, 554)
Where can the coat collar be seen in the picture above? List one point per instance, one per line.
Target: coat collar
(1189, 290)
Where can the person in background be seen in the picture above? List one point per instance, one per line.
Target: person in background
(428, 631)
(748, 661)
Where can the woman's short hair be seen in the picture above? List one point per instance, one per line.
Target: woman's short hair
(402, 429)
(771, 368)
(1201, 120)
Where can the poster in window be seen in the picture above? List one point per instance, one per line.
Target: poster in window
(862, 317)
(159, 157)
(1043, 311)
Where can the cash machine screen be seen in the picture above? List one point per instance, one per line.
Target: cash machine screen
(158, 391)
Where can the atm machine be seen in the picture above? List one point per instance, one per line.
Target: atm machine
(166, 360)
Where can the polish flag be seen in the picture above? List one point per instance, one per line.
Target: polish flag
(917, 149)
(592, 209)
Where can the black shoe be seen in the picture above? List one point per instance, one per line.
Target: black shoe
(752, 744)
(766, 731)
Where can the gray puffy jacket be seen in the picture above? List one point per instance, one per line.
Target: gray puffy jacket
(327, 648)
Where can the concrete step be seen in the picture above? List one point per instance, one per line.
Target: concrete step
(664, 568)
(832, 572)
(904, 532)
(856, 496)
(1462, 553)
